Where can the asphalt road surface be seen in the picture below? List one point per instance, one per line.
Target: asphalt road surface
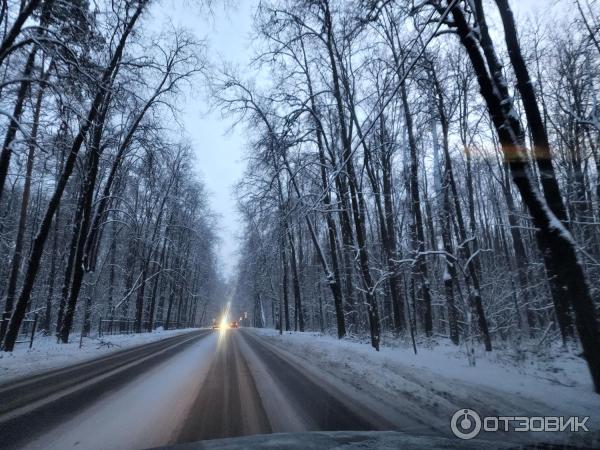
(196, 386)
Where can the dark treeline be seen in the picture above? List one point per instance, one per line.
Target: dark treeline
(101, 214)
(423, 169)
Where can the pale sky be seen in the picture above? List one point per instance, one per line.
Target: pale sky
(219, 151)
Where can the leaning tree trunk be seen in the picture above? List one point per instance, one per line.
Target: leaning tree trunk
(25, 12)
(556, 238)
(9, 39)
(542, 154)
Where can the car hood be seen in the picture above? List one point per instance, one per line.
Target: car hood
(341, 440)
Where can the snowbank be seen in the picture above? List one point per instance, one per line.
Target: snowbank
(441, 375)
(47, 354)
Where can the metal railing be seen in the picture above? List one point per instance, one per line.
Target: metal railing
(124, 325)
(113, 326)
(27, 330)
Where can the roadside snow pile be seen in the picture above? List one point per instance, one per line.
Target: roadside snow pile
(47, 354)
(441, 376)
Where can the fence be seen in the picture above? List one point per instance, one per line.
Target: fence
(105, 326)
(122, 325)
(27, 331)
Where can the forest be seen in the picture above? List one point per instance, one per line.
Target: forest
(422, 170)
(104, 223)
(299, 223)
(416, 170)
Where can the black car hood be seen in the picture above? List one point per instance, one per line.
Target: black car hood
(347, 440)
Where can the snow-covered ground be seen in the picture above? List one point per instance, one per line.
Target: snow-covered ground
(439, 377)
(48, 354)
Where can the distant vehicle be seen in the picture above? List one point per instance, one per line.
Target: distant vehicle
(215, 325)
(234, 324)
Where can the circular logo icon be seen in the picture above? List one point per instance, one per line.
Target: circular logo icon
(465, 423)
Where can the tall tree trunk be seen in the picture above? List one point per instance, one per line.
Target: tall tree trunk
(284, 282)
(542, 153)
(299, 317)
(518, 248)
(473, 283)
(15, 263)
(420, 263)
(159, 268)
(334, 277)
(111, 272)
(83, 216)
(356, 196)
(47, 324)
(391, 247)
(557, 239)
(450, 276)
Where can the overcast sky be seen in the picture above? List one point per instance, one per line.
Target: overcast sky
(219, 151)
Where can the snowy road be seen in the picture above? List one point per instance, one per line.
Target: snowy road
(196, 386)
(219, 384)
(43, 405)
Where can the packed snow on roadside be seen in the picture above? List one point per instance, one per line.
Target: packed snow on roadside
(48, 354)
(440, 374)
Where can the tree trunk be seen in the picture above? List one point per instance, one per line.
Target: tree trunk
(25, 12)
(557, 239)
(15, 263)
(11, 131)
(83, 216)
(284, 287)
(542, 153)
(356, 197)
(420, 263)
(299, 317)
